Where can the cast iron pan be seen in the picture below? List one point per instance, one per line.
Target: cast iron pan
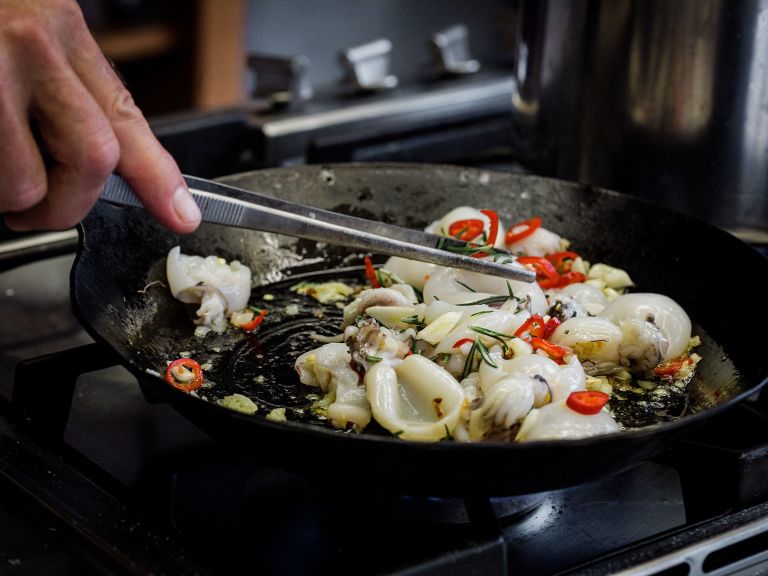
(715, 277)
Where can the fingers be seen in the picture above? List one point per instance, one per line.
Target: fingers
(77, 135)
(23, 180)
(52, 69)
(149, 168)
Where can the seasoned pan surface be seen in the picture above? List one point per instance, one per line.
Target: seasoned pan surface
(118, 292)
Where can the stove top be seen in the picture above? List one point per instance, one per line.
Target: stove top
(96, 479)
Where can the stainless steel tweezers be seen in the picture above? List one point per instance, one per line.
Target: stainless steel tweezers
(232, 206)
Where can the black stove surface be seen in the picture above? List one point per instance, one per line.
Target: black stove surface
(94, 479)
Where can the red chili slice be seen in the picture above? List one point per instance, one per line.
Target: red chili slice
(492, 234)
(466, 230)
(461, 342)
(522, 230)
(534, 326)
(187, 364)
(587, 402)
(569, 278)
(562, 261)
(370, 273)
(253, 324)
(494, 231)
(557, 353)
(546, 275)
(669, 367)
(550, 327)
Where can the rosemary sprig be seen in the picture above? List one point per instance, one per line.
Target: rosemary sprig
(469, 249)
(470, 361)
(480, 312)
(484, 354)
(492, 333)
(465, 286)
(489, 300)
(501, 338)
(413, 320)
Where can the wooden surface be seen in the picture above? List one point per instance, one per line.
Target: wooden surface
(221, 53)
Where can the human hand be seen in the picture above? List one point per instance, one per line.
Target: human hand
(54, 77)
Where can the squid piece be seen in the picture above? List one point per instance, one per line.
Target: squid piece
(539, 243)
(564, 307)
(373, 297)
(220, 288)
(643, 345)
(505, 404)
(556, 422)
(554, 382)
(451, 280)
(594, 340)
(417, 400)
(442, 227)
(589, 297)
(661, 311)
(370, 343)
(329, 368)
(498, 321)
(411, 272)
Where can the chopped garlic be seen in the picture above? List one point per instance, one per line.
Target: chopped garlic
(238, 403)
(277, 415)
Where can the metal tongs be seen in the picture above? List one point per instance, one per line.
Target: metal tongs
(232, 206)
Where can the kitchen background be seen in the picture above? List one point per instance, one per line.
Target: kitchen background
(666, 100)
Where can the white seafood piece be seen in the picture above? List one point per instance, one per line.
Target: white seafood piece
(417, 400)
(411, 272)
(541, 242)
(590, 297)
(407, 291)
(643, 345)
(553, 381)
(569, 378)
(329, 369)
(212, 312)
(595, 340)
(451, 280)
(498, 321)
(610, 276)
(323, 367)
(661, 311)
(372, 343)
(221, 287)
(556, 421)
(508, 401)
(373, 297)
(564, 307)
(442, 226)
(350, 405)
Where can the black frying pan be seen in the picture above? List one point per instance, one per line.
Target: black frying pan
(717, 279)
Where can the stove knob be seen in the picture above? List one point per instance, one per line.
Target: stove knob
(367, 66)
(282, 80)
(451, 50)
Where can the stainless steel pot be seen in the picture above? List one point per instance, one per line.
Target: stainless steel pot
(666, 100)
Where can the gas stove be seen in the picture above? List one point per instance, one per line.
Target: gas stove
(98, 479)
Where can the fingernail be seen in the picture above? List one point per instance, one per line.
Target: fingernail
(185, 206)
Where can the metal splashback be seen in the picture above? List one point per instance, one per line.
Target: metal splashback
(667, 100)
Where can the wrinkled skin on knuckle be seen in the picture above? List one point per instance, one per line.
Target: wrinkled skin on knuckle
(99, 154)
(23, 195)
(123, 109)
